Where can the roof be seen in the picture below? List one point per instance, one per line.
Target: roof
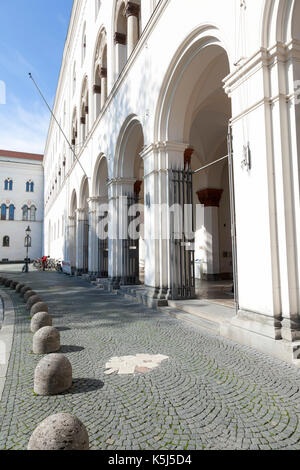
(21, 155)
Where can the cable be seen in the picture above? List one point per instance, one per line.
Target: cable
(52, 114)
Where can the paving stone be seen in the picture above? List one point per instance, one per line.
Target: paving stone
(211, 393)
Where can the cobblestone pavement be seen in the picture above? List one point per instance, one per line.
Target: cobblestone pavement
(210, 394)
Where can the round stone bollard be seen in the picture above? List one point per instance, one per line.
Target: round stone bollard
(3, 280)
(60, 432)
(46, 340)
(13, 285)
(28, 294)
(38, 307)
(32, 300)
(52, 375)
(40, 320)
(24, 289)
(8, 282)
(19, 287)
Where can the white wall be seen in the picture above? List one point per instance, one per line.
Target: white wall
(21, 171)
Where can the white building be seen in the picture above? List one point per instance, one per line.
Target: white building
(22, 204)
(148, 85)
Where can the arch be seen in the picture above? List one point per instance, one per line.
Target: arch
(3, 211)
(131, 138)
(6, 241)
(99, 72)
(73, 204)
(100, 176)
(25, 212)
(84, 192)
(280, 22)
(84, 109)
(11, 212)
(199, 41)
(74, 131)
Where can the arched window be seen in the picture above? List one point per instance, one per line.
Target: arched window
(74, 77)
(100, 67)
(83, 53)
(74, 132)
(25, 212)
(6, 241)
(84, 110)
(3, 212)
(29, 187)
(127, 31)
(32, 213)
(11, 212)
(8, 185)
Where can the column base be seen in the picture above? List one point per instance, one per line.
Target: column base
(265, 334)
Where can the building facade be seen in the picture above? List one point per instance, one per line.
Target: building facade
(149, 93)
(22, 204)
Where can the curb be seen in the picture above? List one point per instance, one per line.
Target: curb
(6, 337)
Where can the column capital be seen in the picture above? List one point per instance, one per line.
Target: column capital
(210, 197)
(132, 9)
(97, 89)
(120, 38)
(103, 72)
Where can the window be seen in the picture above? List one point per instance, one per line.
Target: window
(8, 185)
(3, 212)
(32, 213)
(25, 212)
(29, 187)
(11, 212)
(6, 241)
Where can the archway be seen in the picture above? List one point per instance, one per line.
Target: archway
(129, 169)
(100, 192)
(194, 113)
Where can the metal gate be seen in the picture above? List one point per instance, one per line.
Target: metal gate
(103, 252)
(85, 266)
(130, 252)
(182, 237)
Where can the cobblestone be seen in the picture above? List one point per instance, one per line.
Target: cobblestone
(210, 394)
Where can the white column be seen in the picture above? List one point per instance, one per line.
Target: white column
(121, 52)
(132, 13)
(210, 198)
(158, 159)
(93, 239)
(71, 236)
(103, 77)
(80, 214)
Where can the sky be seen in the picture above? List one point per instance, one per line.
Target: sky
(32, 39)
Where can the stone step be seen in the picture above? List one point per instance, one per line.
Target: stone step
(202, 323)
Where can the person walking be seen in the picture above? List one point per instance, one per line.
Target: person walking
(44, 262)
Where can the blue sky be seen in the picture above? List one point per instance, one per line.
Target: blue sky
(32, 38)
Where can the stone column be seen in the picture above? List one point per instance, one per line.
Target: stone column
(121, 52)
(71, 236)
(93, 203)
(158, 158)
(80, 214)
(132, 12)
(118, 190)
(103, 77)
(210, 198)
